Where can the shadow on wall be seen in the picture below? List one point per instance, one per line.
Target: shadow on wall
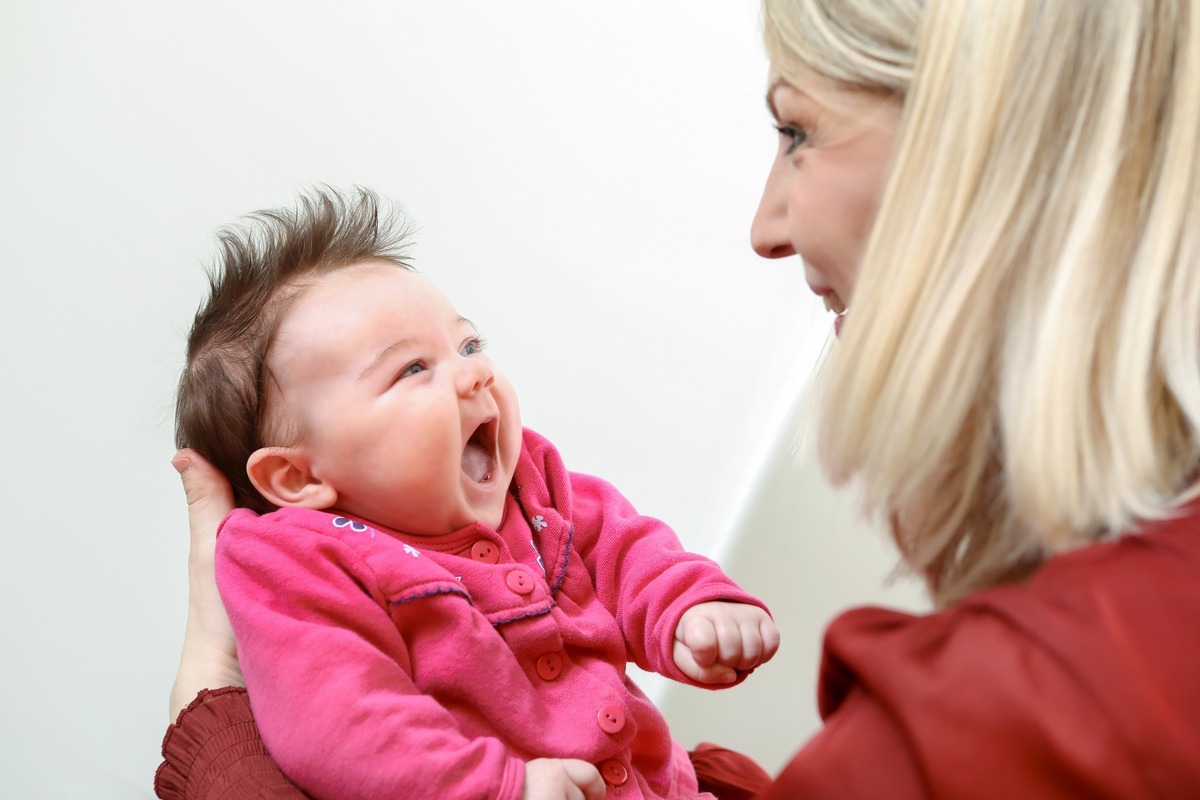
(804, 549)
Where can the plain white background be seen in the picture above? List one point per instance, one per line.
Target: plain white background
(582, 177)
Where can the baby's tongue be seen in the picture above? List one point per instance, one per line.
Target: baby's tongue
(475, 462)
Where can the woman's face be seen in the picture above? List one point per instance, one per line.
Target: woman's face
(835, 146)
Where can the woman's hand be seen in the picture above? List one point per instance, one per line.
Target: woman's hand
(209, 657)
(562, 779)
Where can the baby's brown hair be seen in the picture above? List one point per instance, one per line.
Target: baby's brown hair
(263, 265)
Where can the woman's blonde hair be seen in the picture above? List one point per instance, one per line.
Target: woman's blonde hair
(1020, 371)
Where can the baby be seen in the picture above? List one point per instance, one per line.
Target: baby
(427, 604)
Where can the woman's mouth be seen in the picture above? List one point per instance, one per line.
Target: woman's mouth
(479, 456)
(834, 303)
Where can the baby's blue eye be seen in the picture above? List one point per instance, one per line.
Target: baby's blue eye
(412, 369)
(473, 346)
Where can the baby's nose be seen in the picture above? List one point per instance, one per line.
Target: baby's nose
(474, 375)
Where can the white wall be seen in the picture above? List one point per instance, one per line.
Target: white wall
(583, 176)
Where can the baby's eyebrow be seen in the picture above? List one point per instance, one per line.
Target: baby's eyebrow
(382, 355)
(472, 324)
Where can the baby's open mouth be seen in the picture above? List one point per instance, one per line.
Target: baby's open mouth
(478, 456)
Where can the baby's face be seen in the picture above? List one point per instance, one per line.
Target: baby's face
(396, 406)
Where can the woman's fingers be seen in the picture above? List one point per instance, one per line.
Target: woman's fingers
(209, 496)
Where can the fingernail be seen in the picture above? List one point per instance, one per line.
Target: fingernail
(181, 463)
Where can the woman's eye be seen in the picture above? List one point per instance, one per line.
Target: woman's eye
(473, 346)
(793, 136)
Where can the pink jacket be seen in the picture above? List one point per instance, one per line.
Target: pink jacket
(384, 665)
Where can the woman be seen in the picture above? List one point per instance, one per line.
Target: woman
(1005, 194)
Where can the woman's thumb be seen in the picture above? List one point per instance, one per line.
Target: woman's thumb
(209, 495)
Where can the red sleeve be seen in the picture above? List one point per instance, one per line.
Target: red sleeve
(214, 752)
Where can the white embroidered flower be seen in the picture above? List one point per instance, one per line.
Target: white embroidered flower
(538, 523)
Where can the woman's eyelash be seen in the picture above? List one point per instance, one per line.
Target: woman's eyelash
(795, 135)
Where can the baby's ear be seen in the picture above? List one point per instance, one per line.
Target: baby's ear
(283, 476)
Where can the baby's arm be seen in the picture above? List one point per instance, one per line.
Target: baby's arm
(715, 640)
(562, 779)
(654, 588)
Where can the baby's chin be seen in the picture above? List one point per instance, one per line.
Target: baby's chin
(491, 517)
(460, 507)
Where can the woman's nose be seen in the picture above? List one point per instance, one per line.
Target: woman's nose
(474, 375)
(769, 234)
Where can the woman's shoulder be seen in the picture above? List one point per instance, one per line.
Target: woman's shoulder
(1129, 598)
(1087, 669)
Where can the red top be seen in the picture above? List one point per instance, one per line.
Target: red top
(1084, 682)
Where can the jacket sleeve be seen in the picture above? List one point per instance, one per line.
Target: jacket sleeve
(643, 575)
(330, 678)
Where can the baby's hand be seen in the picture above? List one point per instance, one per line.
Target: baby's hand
(715, 640)
(562, 779)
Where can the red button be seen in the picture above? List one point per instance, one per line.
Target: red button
(614, 772)
(485, 551)
(549, 666)
(611, 718)
(519, 582)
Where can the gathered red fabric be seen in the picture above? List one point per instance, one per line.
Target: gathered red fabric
(214, 750)
(728, 774)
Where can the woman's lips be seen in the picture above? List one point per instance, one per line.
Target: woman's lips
(833, 303)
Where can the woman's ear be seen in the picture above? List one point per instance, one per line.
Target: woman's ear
(284, 476)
